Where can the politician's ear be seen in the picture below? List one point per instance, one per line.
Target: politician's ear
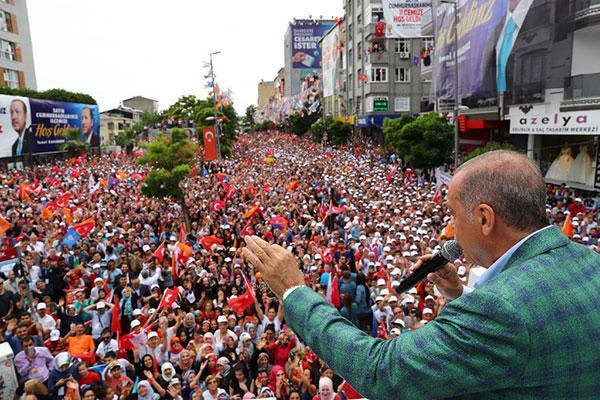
(486, 218)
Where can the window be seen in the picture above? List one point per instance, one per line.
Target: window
(376, 14)
(7, 50)
(402, 46)
(359, 50)
(402, 104)
(359, 19)
(402, 74)
(350, 31)
(11, 78)
(428, 43)
(379, 74)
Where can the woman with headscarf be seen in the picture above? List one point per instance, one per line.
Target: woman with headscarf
(186, 362)
(278, 382)
(63, 370)
(144, 392)
(326, 390)
(175, 350)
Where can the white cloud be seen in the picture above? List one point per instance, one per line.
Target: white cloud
(115, 49)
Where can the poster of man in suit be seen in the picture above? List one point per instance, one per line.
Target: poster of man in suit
(15, 122)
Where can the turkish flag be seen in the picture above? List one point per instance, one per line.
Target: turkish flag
(243, 301)
(210, 143)
(115, 321)
(208, 241)
(437, 197)
(350, 392)
(84, 228)
(218, 205)
(63, 201)
(169, 297)
(159, 253)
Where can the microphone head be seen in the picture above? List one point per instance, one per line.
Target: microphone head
(451, 250)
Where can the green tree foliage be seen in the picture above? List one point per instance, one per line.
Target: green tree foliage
(52, 94)
(170, 159)
(202, 112)
(149, 118)
(337, 132)
(73, 145)
(125, 138)
(264, 126)
(423, 143)
(248, 119)
(491, 146)
(300, 123)
(393, 127)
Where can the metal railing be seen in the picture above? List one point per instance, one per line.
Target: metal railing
(582, 86)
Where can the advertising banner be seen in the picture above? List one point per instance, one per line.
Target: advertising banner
(329, 61)
(210, 143)
(32, 126)
(403, 18)
(563, 123)
(487, 32)
(306, 52)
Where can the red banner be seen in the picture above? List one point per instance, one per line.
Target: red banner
(210, 143)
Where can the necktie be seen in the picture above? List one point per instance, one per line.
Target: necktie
(504, 54)
(20, 147)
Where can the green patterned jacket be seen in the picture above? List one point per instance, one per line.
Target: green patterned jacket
(531, 332)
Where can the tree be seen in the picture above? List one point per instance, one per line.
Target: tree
(426, 142)
(170, 160)
(300, 123)
(125, 138)
(319, 128)
(52, 94)
(248, 119)
(337, 132)
(73, 145)
(491, 146)
(150, 118)
(393, 127)
(183, 109)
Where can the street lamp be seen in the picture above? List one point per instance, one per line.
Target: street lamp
(455, 56)
(217, 128)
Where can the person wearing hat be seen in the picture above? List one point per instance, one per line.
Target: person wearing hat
(106, 344)
(46, 321)
(34, 362)
(101, 317)
(63, 372)
(118, 380)
(222, 331)
(497, 202)
(55, 344)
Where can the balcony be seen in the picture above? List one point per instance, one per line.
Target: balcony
(529, 93)
(587, 12)
(582, 91)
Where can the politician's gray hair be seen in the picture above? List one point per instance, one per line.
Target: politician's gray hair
(508, 182)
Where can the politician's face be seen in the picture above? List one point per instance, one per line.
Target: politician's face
(465, 225)
(18, 116)
(87, 123)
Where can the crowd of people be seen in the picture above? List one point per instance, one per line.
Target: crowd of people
(114, 296)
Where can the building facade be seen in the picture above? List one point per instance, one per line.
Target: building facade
(383, 75)
(141, 103)
(16, 53)
(266, 90)
(117, 120)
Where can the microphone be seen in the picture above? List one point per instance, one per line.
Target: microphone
(450, 251)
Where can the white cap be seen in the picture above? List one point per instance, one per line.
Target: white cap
(317, 256)
(408, 299)
(395, 284)
(392, 298)
(221, 318)
(384, 292)
(134, 323)
(429, 297)
(137, 312)
(378, 298)
(395, 331)
(313, 268)
(151, 311)
(152, 335)
(427, 311)
(146, 248)
(396, 271)
(413, 291)
(41, 306)
(173, 237)
(380, 282)
(227, 259)
(54, 335)
(399, 321)
(98, 280)
(100, 304)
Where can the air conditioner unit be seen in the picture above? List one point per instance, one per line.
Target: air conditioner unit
(404, 54)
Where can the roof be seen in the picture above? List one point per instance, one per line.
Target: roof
(140, 97)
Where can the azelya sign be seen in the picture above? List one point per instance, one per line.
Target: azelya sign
(562, 123)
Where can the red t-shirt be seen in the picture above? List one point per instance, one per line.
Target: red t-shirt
(280, 354)
(92, 377)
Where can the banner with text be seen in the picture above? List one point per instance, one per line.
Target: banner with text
(329, 61)
(33, 126)
(563, 123)
(403, 18)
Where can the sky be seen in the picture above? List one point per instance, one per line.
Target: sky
(117, 49)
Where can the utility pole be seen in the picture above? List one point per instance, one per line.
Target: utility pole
(217, 126)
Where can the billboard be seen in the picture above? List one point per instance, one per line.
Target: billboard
(487, 32)
(560, 123)
(33, 126)
(306, 52)
(403, 18)
(329, 61)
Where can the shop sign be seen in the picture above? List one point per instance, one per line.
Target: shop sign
(560, 123)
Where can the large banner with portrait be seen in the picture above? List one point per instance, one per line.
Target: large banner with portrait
(488, 30)
(403, 18)
(33, 126)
